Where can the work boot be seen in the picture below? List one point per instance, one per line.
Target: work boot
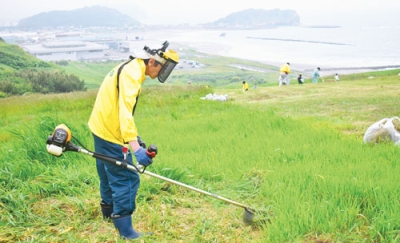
(106, 210)
(124, 227)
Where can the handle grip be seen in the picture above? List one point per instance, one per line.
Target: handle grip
(152, 151)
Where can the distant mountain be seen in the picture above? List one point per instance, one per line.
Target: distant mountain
(258, 18)
(95, 16)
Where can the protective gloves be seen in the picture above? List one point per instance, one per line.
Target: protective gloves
(142, 157)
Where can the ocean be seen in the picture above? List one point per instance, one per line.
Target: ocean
(304, 47)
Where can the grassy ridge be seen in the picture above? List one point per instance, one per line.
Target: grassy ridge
(349, 106)
(93, 74)
(217, 71)
(283, 150)
(13, 57)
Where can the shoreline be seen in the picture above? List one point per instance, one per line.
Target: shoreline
(307, 69)
(353, 70)
(347, 70)
(304, 68)
(210, 42)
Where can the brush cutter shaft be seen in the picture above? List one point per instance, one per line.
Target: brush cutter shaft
(130, 167)
(194, 189)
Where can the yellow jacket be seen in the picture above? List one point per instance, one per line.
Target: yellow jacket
(245, 86)
(111, 117)
(285, 68)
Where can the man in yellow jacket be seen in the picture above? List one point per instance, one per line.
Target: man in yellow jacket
(284, 74)
(113, 127)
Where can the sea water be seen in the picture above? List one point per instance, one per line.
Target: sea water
(338, 47)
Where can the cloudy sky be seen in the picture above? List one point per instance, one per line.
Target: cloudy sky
(181, 11)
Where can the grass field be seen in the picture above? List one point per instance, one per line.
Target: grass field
(293, 152)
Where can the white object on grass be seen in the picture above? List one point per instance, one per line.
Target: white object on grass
(215, 97)
(383, 130)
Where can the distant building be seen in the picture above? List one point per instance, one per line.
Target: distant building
(124, 46)
(66, 50)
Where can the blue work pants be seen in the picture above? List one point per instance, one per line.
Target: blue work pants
(118, 185)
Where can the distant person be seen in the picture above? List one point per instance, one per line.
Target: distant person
(284, 74)
(336, 77)
(315, 75)
(255, 86)
(245, 86)
(300, 79)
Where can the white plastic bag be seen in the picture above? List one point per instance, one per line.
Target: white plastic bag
(376, 133)
(391, 126)
(385, 130)
(215, 97)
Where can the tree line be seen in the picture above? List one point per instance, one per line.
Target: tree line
(21, 73)
(33, 81)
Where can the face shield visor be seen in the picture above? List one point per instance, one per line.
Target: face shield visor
(167, 58)
(168, 66)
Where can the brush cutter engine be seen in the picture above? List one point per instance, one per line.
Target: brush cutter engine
(57, 142)
(60, 141)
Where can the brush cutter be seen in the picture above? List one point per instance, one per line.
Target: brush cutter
(60, 141)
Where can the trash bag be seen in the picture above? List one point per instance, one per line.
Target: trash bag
(384, 130)
(393, 128)
(215, 97)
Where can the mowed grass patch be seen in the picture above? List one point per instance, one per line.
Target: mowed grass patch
(350, 105)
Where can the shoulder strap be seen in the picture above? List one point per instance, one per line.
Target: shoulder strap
(118, 73)
(120, 70)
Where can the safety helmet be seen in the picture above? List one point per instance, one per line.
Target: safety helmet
(168, 59)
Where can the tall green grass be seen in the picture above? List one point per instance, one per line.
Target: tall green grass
(317, 183)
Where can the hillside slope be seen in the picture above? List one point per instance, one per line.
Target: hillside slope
(21, 73)
(13, 57)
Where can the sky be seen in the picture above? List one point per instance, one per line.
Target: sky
(311, 12)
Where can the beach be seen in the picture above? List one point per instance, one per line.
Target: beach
(342, 50)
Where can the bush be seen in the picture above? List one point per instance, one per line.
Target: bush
(7, 87)
(62, 63)
(56, 82)
(3, 95)
(44, 82)
(235, 79)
